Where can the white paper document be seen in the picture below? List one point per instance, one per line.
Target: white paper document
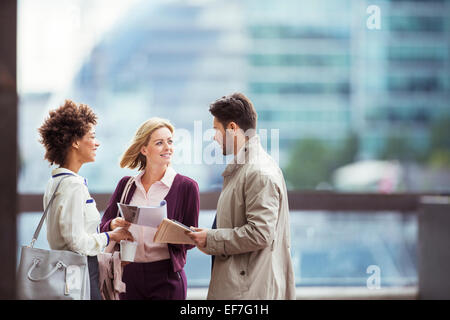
(144, 216)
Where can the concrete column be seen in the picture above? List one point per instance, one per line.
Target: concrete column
(434, 248)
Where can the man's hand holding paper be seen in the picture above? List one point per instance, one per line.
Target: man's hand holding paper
(199, 237)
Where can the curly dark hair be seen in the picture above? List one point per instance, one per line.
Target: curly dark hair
(62, 127)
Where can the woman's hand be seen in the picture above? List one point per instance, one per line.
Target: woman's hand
(120, 233)
(119, 222)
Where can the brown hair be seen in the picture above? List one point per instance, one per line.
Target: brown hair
(235, 107)
(62, 127)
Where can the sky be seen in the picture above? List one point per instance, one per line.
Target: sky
(55, 35)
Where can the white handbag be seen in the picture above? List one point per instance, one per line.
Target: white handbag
(52, 274)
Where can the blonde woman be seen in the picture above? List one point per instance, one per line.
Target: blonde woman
(157, 272)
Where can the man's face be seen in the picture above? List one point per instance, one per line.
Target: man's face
(223, 137)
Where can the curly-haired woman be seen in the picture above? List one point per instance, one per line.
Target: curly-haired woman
(68, 135)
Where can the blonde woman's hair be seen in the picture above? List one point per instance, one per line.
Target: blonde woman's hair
(133, 158)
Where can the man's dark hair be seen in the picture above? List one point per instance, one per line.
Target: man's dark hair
(236, 108)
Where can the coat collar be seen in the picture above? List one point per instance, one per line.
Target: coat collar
(247, 154)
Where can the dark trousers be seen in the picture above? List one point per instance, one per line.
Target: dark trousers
(94, 277)
(153, 281)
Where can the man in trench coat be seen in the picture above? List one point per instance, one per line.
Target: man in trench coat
(251, 244)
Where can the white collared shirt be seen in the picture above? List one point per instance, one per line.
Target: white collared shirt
(73, 218)
(147, 250)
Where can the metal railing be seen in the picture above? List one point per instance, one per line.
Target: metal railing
(370, 203)
(405, 203)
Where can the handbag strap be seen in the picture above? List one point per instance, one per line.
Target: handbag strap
(126, 190)
(36, 261)
(111, 247)
(38, 229)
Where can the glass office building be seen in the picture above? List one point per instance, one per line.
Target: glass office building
(313, 70)
(317, 71)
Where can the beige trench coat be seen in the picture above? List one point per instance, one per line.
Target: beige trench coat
(252, 241)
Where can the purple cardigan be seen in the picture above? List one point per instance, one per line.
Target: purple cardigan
(183, 205)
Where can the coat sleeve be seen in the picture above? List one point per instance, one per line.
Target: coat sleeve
(111, 209)
(262, 198)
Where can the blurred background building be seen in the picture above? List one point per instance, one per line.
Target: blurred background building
(338, 91)
(358, 108)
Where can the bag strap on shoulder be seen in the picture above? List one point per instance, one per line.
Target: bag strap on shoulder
(38, 229)
(126, 190)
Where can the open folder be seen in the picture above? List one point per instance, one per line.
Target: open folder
(144, 216)
(172, 231)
